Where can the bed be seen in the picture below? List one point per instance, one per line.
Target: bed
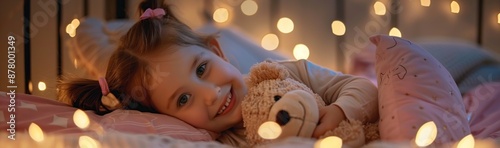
(472, 74)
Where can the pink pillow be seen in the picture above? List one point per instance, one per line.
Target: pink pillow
(56, 117)
(483, 103)
(415, 88)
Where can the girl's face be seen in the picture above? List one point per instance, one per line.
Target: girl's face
(197, 86)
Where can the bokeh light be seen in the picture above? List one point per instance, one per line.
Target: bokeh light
(88, 142)
(285, 25)
(35, 132)
(249, 7)
(329, 142)
(300, 51)
(42, 86)
(270, 41)
(425, 3)
(269, 130)
(395, 32)
(338, 28)
(379, 8)
(426, 134)
(71, 27)
(466, 142)
(498, 18)
(455, 7)
(221, 15)
(81, 119)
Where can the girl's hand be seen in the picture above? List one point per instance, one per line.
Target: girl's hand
(329, 118)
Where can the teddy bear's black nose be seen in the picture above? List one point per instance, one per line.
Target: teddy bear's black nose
(282, 117)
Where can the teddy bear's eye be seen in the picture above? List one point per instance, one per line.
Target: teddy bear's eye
(277, 97)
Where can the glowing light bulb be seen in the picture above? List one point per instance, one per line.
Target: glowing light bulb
(329, 142)
(338, 28)
(455, 7)
(75, 23)
(249, 7)
(221, 15)
(466, 142)
(285, 25)
(270, 41)
(30, 86)
(81, 119)
(395, 32)
(35, 132)
(269, 130)
(75, 62)
(71, 27)
(379, 8)
(425, 3)
(498, 18)
(300, 51)
(88, 142)
(426, 134)
(42, 86)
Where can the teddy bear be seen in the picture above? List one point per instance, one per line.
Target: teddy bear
(294, 107)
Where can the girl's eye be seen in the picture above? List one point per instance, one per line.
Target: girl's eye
(183, 99)
(201, 69)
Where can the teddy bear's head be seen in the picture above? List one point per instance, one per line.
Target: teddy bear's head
(274, 96)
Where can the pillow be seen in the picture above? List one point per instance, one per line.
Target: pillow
(415, 88)
(56, 117)
(481, 75)
(483, 102)
(96, 40)
(457, 57)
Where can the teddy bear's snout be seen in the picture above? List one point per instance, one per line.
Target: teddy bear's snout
(283, 117)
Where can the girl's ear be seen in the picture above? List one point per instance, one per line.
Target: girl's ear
(214, 46)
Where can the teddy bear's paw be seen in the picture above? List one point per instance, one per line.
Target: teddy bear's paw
(351, 133)
(371, 132)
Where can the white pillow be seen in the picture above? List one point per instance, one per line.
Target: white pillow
(96, 40)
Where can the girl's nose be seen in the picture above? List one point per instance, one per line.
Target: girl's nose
(211, 95)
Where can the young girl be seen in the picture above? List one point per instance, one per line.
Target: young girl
(162, 66)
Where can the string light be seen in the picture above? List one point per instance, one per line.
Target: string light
(300, 51)
(221, 15)
(379, 8)
(30, 86)
(35, 132)
(338, 28)
(269, 130)
(75, 62)
(455, 7)
(329, 142)
(42, 86)
(249, 7)
(425, 3)
(395, 32)
(270, 41)
(285, 25)
(498, 18)
(426, 134)
(466, 142)
(71, 27)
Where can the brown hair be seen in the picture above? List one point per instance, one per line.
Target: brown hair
(129, 72)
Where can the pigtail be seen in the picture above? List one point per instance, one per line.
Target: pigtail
(82, 93)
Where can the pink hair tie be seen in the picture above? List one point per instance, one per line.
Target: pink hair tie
(158, 13)
(104, 86)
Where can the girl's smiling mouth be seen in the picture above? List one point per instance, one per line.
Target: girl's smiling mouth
(227, 105)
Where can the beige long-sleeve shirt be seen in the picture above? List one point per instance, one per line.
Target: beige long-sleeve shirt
(356, 96)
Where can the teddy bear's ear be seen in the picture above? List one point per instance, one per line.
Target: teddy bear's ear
(266, 70)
